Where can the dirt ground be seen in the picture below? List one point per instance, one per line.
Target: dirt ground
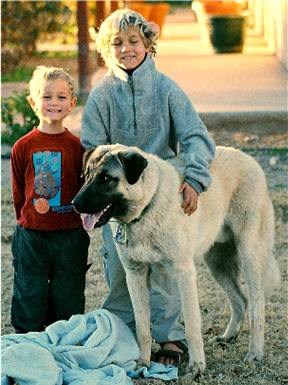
(224, 362)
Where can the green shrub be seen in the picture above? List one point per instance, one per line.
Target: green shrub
(21, 74)
(18, 117)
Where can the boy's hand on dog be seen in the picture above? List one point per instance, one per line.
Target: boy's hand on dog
(190, 198)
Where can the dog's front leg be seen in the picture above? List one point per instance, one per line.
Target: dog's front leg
(192, 319)
(137, 282)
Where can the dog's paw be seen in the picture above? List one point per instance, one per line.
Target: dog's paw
(218, 340)
(194, 373)
(143, 363)
(253, 356)
(188, 378)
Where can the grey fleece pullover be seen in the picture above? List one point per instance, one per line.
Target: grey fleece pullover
(150, 111)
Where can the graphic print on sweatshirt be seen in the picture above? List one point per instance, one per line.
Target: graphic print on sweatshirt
(47, 181)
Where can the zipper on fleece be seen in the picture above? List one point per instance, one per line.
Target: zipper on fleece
(130, 81)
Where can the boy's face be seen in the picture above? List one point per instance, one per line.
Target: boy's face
(127, 49)
(54, 101)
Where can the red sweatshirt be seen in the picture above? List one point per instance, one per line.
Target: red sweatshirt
(46, 173)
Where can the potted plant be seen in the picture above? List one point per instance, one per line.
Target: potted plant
(223, 23)
(222, 7)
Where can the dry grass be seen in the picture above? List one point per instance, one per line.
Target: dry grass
(224, 362)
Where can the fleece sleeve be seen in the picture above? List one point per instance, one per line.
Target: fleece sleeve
(195, 142)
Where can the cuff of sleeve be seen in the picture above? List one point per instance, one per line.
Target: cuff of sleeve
(197, 186)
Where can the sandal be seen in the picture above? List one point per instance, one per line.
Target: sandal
(178, 357)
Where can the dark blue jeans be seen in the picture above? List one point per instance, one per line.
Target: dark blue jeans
(49, 276)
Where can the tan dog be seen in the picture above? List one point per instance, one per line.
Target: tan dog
(232, 229)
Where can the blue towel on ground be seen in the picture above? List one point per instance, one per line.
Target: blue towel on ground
(96, 348)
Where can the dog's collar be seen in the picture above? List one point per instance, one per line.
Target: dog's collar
(120, 236)
(143, 212)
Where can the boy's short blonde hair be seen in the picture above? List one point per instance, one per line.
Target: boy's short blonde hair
(43, 74)
(119, 21)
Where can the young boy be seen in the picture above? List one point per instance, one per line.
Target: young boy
(49, 246)
(137, 105)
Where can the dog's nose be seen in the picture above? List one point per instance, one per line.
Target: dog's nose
(76, 203)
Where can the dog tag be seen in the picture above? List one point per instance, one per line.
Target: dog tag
(121, 235)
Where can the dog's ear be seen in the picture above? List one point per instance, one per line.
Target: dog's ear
(85, 159)
(133, 165)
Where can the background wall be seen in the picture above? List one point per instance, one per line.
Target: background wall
(269, 19)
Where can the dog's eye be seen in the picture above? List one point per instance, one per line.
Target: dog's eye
(105, 177)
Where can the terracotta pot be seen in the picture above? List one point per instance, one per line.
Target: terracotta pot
(140, 7)
(158, 14)
(222, 23)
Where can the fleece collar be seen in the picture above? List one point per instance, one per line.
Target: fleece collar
(147, 65)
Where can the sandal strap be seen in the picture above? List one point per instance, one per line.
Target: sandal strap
(176, 356)
(168, 353)
(181, 345)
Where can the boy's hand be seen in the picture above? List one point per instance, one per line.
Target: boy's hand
(190, 198)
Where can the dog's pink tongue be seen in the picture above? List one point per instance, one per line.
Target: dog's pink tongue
(89, 220)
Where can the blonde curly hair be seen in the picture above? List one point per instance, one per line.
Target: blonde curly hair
(121, 20)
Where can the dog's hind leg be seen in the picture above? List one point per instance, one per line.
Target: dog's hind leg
(137, 282)
(254, 271)
(223, 262)
(260, 269)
